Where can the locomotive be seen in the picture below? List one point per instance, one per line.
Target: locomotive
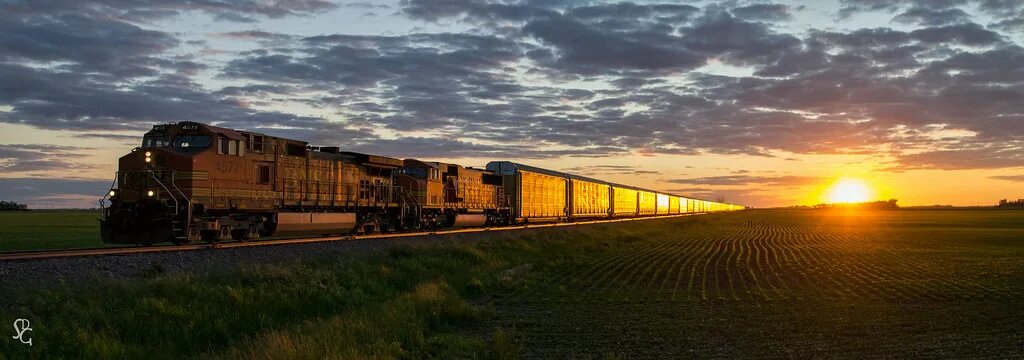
(196, 182)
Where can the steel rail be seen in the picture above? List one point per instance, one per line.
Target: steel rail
(128, 250)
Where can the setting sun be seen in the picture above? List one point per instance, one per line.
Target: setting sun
(849, 191)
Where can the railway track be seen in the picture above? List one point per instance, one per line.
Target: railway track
(130, 250)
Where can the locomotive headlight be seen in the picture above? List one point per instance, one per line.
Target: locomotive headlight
(149, 159)
(148, 154)
(150, 193)
(112, 193)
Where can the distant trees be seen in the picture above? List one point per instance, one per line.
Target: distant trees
(12, 206)
(875, 205)
(1013, 203)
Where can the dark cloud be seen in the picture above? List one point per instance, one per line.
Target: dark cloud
(87, 44)
(975, 158)
(131, 10)
(745, 180)
(593, 170)
(427, 148)
(111, 137)
(1013, 178)
(850, 7)
(589, 49)
(27, 158)
(966, 34)
(764, 12)
(933, 17)
(263, 37)
(64, 100)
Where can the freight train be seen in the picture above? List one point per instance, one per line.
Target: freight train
(196, 182)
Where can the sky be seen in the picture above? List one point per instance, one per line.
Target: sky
(752, 102)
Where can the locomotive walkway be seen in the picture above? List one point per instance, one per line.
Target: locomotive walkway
(112, 251)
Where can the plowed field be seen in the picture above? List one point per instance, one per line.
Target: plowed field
(782, 284)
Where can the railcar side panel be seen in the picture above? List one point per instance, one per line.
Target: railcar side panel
(541, 195)
(589, 199)
(648, 203)
(663, 204)
(625, 201)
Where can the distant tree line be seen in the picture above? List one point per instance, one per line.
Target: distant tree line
(12, 206)
(1011, 203)
(874, 205)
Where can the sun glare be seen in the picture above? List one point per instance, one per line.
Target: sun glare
(849, 191)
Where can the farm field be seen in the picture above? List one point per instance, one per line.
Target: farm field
(49, 229)
(754, 284)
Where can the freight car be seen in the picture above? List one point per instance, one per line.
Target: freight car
(195, 182)
(541, 195)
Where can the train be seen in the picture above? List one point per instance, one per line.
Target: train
(194, 182)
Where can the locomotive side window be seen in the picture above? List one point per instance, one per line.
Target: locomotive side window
(223, 145)
(295, 150)
(228, 146)
(256, 144)
(264, 174)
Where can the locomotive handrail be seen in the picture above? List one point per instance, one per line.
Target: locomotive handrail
(152, 174)
(188, 203)
(102, 200)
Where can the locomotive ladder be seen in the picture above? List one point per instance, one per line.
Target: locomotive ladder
(179, 227)
(410, 207)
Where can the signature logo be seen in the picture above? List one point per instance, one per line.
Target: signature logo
(20, 327)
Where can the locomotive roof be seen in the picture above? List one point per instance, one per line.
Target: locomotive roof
(226, 132)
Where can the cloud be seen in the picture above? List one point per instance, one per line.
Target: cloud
(88, 44)
(933, 17)
(765, 12)
(151, 10)
(593, 170)
(745, 180)
(537, 79)
(19, 158)
(1013, 178)
(589, 49)
(974, 158)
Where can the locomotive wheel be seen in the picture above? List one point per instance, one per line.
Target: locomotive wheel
(242, 235)
(225, 233)
(210, 236)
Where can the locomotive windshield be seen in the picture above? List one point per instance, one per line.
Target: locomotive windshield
(155, 140)
(419, 173)
(187, 142)
(181, 142)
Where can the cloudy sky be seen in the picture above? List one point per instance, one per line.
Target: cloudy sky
(760, 103)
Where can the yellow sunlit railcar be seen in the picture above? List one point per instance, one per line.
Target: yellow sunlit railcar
(589, 198)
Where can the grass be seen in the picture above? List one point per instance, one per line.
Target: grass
(49, 229)
(756, 284)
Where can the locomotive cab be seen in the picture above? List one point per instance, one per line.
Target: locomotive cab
(152, 198)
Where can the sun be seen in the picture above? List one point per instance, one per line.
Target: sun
(849, 191)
